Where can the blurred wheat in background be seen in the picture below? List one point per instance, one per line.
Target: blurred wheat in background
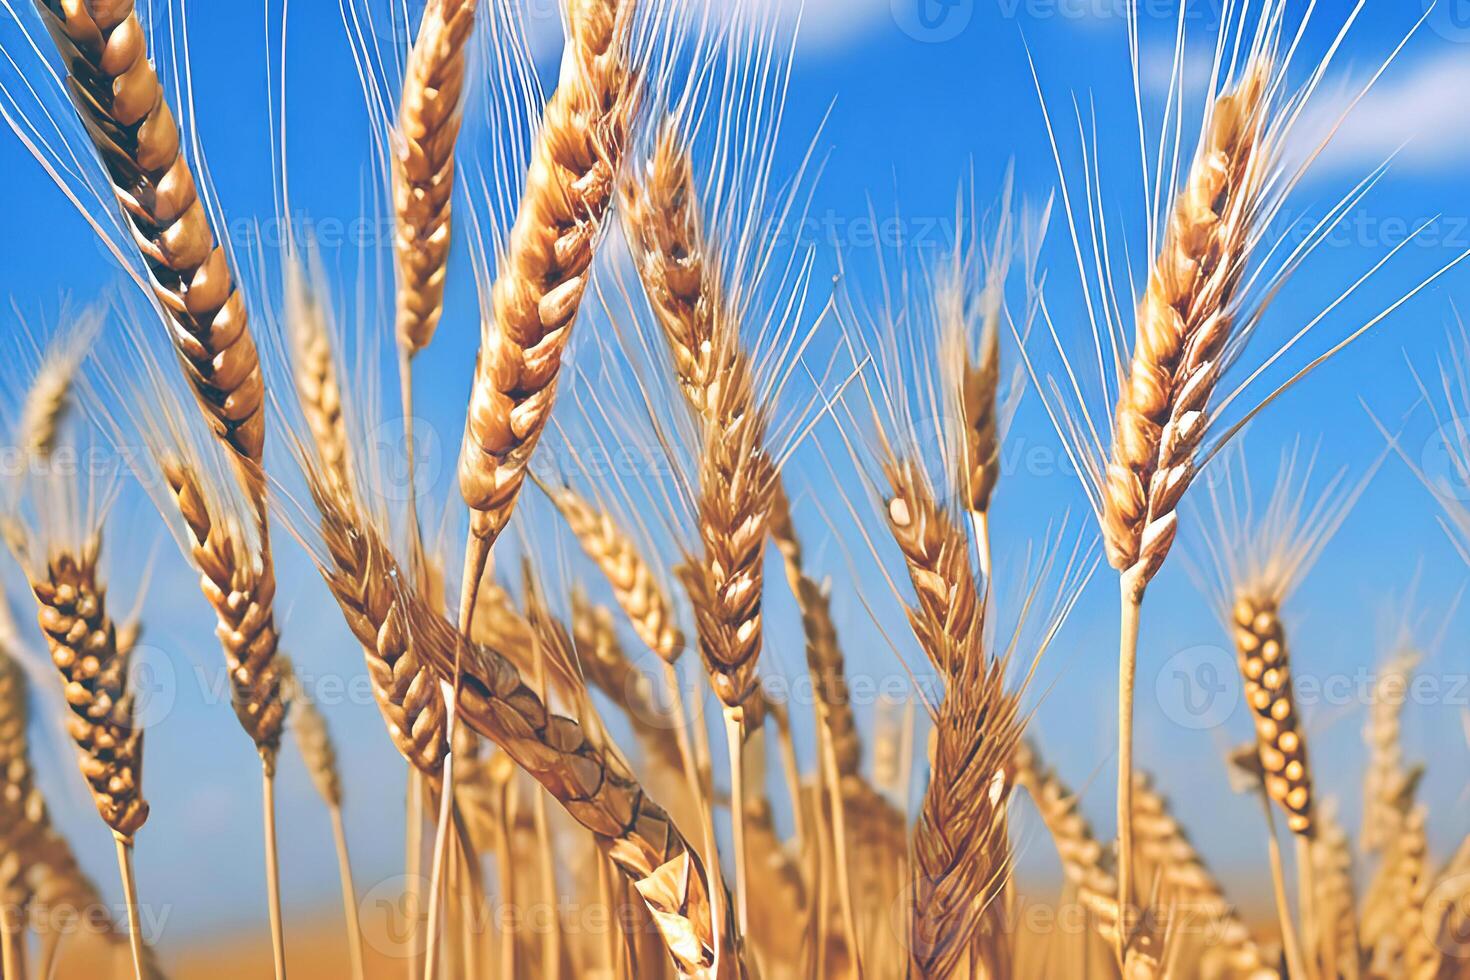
(711, 474)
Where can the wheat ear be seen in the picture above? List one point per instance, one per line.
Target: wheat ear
(423, 166)
(49, 399)
(1265, 665)
(544, 272)
(23, 817)
(589, 779)
(1337, 949)
(635, 584)
(72, 610)
(1183, 326)
(359, 573)
(122, 104)
(961, 861)
(319, 752)
(314, 368)
(239, 583)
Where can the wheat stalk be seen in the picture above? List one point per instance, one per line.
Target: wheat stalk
(123, 106)
(423, 166)
(544, 271)
(318, 751)
(1184, 323)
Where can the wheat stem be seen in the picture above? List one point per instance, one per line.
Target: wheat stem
(349, 894)
(436, 870)
(413, 846)
(272, 866)
(1291, 946)
(735, 743)
(1127, 675)
(130, 894)
(13, 942)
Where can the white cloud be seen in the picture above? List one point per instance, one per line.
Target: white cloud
(1422, 114)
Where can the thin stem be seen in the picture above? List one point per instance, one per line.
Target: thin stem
(415, 532)
(839, 837)
(436, 871)
(551, 942)
(349, 894)
(50, 955)
(413, 845)
(506, 868)
(1127, 675)
(13, 943)
(735, 743)
(1289, 943)
(272, 868)
(980, 521)
(1305, 894)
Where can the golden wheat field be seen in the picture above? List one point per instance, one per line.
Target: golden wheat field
(682, 555)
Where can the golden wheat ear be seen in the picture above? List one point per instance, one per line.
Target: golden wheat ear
(50, 392)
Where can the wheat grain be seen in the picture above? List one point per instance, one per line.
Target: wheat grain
(308, 318)
(1265, 664)
(1184, 322)
(423, 166)
(238, 580)
(635, 585)
(544, 271)
(122, 104)
(72, 610)
(359, 571)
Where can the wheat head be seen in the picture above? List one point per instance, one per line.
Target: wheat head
(1265, 666)
(635, 584)
(238, 580)
(122, 104)
(423, 166)
(308, 320)
(1183, 326)
(72, 610)
(544, 271)
(313, 739)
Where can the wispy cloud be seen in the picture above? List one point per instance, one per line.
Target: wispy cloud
(1422, 114)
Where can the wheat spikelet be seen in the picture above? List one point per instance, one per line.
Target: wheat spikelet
(937, 553)
(1085, 861)
(313, 739)
(594, 786)
(961, 852)
(635, 585)
(1184, 323)
(544, 271)
(1337, 948)
(49, 398)
(606, 666)
(238, 580)
(309, 325)
(72, 610)
(825, 661)
(122, 104)
(678, 267)
(360, 571)
(1165, 852)
(1388, 780)
(423, 166)
(1265, 665)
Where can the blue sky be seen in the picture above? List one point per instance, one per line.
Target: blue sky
(920, 100)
